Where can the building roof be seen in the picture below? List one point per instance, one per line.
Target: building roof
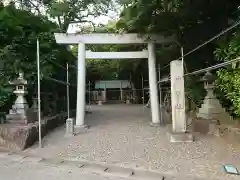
(112, 84)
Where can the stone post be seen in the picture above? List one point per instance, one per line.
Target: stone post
(69, 127)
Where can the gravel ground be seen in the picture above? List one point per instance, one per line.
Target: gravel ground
(120, 134)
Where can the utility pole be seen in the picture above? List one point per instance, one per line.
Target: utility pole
(143, 99)
(68, 108)
(160, 95)
(39, 98)
(89, 93)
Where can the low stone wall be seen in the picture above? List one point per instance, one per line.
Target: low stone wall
(19, 137)
(215, 127)
(230, 129)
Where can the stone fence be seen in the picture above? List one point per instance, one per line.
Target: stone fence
(19, 137)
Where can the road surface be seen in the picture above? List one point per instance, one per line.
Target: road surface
(13, 169)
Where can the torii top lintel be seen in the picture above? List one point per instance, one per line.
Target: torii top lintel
(110, 38)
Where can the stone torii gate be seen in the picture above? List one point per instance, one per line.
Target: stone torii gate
(106, 38)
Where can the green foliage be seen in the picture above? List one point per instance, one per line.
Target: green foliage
(194, 90)
(65, 12)
(59, 9)
(228, 80)
(143, 16)
(229, 48)
(4, 96)
(192, 22)
(19, 31)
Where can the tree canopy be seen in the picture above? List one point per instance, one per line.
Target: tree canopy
(19, 31)
(192, 22)
(65, 12)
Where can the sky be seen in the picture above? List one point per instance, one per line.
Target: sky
(98, 20)
(111, 15)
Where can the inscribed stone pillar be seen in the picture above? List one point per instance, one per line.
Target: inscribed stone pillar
(153, 84)
(179, 128)
(81, 78)
(69, 127)
(178, 97)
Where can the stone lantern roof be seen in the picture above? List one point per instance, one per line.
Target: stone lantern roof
(208, 77)
(19, 81)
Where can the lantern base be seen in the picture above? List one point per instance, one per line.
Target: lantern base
(206, 126)
(211, 109)
(22, 118)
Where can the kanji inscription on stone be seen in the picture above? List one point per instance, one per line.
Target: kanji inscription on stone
(178, 78)
(178, 104)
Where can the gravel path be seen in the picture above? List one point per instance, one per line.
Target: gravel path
(120, 134)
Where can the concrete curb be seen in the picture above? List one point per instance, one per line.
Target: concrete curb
(95, 168)
(101, 169)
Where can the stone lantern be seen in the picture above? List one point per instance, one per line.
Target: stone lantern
(211, 112)
(208, 80)
(18, 113)
(211, 107)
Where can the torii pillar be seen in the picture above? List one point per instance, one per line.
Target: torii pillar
(81, 90)
(153, 85)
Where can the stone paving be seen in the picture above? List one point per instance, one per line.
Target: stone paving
(121, 135)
